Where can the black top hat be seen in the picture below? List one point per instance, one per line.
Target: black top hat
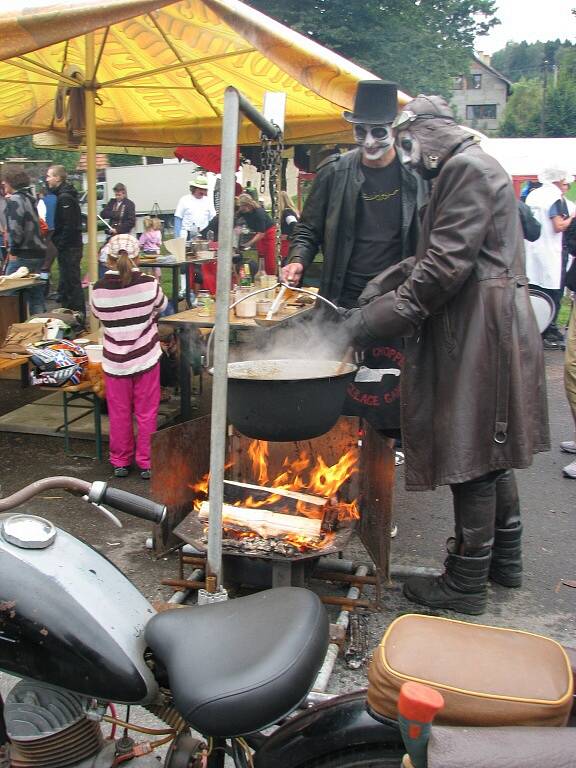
(376, 103)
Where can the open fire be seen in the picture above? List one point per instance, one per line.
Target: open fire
(298, 511)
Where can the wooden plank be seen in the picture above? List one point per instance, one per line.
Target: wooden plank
(8, 363)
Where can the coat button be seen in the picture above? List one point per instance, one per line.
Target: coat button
(400, 304)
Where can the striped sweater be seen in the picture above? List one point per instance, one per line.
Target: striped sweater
(131, 343)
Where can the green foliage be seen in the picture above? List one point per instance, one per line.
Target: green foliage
(22, 146)
(522, 113)
(418, 44)
(518, 61)
(524, 108)
(560, 111)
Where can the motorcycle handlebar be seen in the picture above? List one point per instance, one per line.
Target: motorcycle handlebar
(97, 492)
(134, 505)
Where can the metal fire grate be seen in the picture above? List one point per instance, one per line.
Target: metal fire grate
(181, 457)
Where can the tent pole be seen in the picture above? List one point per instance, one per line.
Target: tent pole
(90, 97)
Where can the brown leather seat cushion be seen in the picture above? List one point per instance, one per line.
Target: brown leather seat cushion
(487, 675)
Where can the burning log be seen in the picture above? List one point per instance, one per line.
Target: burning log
(307, 498)
(265, 522)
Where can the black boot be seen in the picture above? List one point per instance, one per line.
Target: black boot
(506, 565)
(462, 586)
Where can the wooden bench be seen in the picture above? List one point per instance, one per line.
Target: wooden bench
(15, 361)
(82, 391)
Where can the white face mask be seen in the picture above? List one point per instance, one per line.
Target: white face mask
(375, 140)
(408, 148)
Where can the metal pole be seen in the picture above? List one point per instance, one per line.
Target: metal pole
(221, 336)
(269, 129)
(90, 97)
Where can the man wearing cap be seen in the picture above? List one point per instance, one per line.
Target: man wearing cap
(546, 257)
(194, 210)
(473, 387)
(120, 212)
(362, 213)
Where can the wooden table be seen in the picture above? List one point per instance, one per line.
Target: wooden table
(18, 284)
(8, 315)
(201, 318)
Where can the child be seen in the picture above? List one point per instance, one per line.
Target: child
(127, 303)
(151, 239)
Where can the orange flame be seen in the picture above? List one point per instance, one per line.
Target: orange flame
(320, 480)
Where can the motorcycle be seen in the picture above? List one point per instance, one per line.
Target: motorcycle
(82, 640)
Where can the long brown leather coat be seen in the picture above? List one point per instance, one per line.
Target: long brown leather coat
(473, 386)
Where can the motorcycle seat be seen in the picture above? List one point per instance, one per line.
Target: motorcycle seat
(239, 666)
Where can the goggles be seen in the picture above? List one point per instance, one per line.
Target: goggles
(404, 118)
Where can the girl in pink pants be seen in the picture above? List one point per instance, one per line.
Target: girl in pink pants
(133, 398)
(127, 303)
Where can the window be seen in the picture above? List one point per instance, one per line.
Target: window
(458, 83)
(473, 82)
(481, 112)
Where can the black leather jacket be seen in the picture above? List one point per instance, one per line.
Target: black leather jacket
(328, 219)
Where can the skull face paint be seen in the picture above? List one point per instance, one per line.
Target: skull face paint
(409, 149)
(375, 140)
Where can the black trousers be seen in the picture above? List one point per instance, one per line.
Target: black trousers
(71, 291)
(480, 506)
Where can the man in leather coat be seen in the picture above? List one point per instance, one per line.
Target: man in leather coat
(473, 387)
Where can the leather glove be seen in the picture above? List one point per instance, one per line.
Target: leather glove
(386, 281)
(354, 328)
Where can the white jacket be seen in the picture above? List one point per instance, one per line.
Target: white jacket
(544, 256)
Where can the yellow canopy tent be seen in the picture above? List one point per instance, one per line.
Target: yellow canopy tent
(152, 73)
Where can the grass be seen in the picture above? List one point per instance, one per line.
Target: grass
(564, 313)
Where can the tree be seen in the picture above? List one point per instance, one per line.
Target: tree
(522, 113)
(560, 107)
(527, 60)
(22, 146)
(419, 44)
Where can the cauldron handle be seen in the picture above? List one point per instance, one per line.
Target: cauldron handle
(265, 290)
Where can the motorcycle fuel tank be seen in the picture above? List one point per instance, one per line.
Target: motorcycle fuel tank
(68, 616)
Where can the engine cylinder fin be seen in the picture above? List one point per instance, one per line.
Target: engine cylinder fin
(68, 747)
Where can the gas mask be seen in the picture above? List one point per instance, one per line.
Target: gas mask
(375, 140)
(424, 138)
(410, 151)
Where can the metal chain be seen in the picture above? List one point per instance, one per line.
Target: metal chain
(271, 164)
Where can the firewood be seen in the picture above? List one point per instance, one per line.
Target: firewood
(305, 497)
(265, 522)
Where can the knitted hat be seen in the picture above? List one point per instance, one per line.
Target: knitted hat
(123, 243)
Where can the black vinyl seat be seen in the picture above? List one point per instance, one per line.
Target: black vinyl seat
(239, 666)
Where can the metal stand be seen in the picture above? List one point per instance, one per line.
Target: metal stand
(234, 103)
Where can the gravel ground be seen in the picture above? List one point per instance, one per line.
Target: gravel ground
(424, 520)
